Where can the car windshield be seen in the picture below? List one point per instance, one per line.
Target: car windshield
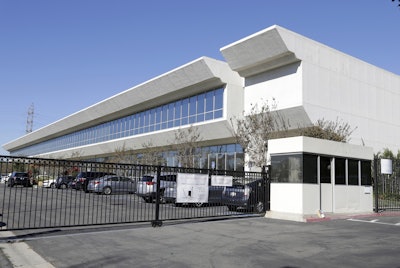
(146, 178)
(242, 181)
(168, 177)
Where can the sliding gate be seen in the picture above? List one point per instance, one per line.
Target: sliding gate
(45, 204)
(386, 184)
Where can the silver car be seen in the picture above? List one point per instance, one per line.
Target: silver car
(147, 188)
(112, 184)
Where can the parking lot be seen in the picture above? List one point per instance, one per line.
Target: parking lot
(30, 207)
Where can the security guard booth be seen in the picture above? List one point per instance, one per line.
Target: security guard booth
(312, 176)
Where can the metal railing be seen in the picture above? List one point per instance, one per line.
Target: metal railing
(45, 203)
(386, 187)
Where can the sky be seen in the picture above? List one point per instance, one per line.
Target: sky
(60, 57)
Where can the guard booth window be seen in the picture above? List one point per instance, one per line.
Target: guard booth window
(340, 171)
(287, 168)
(294, 168)
(325, 167)
(310, 168)
(366, 173)
(353, 172)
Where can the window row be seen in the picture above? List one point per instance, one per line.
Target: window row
(194, 109)
(220, 157)
(307, 168)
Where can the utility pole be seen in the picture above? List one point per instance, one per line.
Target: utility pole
(29, 119)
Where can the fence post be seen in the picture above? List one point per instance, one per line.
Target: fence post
(376, 184)
(266, 181)
(156, 222)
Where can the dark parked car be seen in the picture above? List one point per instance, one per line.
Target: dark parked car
(112, 184)
(245, 195)
(214, 197)
(19, 178)
(83, 178)
(64, 182)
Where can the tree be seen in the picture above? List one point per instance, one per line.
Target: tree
(76, 155)
(186, 143)
(329, 130)
(151, 155)
(253, 130)
(388, 154)
(121, 154)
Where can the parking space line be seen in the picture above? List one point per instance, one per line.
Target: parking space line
(375, 221)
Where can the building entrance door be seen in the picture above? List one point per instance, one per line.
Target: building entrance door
(326, 184)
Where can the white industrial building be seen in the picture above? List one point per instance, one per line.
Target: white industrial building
(308, 80)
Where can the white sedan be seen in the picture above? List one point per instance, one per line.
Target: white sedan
(50, 183)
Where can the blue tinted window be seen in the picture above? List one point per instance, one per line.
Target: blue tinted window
(218, 114)
(209, 101)
(192, 105)
(171, 112)
(208, 116)
(178, 107)
(177, 117)
(185, 108)
(219, 99)
(200, 103)
(158, 115)
(205, 106)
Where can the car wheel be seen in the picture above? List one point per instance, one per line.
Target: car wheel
(232, 208)
(147, 199)
(63, 186)
(198, 205)
(178, 204)
(52, 186)
(259, 207)
(162, 199)
(107, 190)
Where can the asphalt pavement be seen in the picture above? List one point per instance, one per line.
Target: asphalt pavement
(347, 241)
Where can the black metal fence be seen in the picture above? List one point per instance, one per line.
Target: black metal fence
(386, 186)
(51, 200)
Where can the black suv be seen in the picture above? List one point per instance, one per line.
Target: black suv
(64, 182)
(19, 178)
(83, 178)
(245, 195)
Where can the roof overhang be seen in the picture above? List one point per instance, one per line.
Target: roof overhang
(260, 52)
(187, 80)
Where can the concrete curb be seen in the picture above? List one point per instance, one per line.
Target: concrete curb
(21, 255)
(353, 216)
(328, 216)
